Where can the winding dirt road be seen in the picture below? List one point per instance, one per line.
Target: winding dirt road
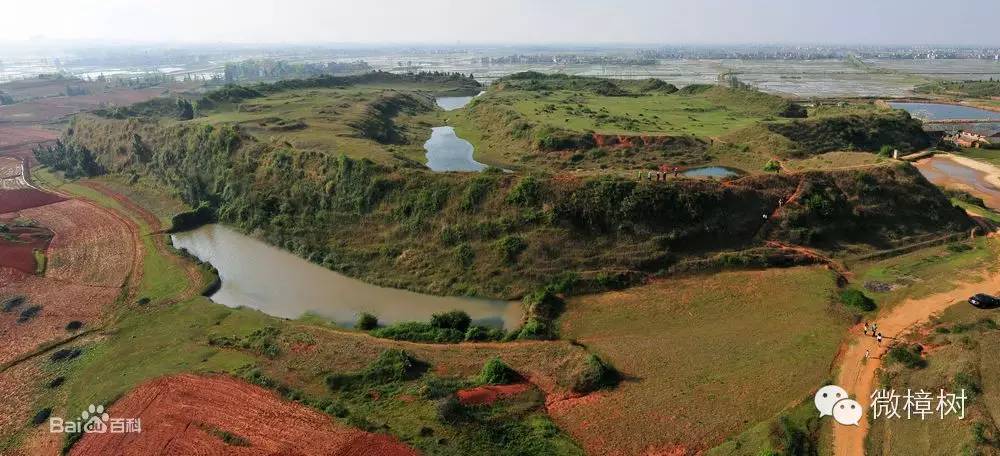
(857, 375)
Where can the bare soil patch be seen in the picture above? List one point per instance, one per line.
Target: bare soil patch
(18, 245)
(187, 414)
(488, 394)
(54, 108)
(25, 198)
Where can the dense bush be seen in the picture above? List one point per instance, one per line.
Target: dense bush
(12, 302)
(595, 375)
(857, 300)
(909, 356)
(29, 313)
(189, 220)
(263, 341)
(366, 322)
(867, 132)
(455, 319)
(415, 331)
(496, 372)
(509, 247)
(392, 365)
(74, 160)
(543, 304)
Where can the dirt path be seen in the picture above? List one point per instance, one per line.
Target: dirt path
(857, 375)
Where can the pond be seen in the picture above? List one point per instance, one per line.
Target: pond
(940, 111)
(453, 103)
(258, 275)
(447, 152)
(946, 172)
(711, 171)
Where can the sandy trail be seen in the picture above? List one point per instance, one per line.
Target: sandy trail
(992, 172)
(857, 376)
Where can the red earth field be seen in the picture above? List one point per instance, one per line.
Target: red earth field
(189, 414)
(18, 243)
(92, 246)
(16, 200)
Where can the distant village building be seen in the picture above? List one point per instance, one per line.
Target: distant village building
(970, 139)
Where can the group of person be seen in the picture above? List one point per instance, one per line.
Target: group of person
(662, 174)
(872, 328)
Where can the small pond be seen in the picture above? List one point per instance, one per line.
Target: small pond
(453, 103)
(447, 152)
(712, 171)
(258, 275)
(940, 111)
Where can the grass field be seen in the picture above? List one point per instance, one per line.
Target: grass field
(327, 120)
(706, 355)
(926, 271)
(985, 155)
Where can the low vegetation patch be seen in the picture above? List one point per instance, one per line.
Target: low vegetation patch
(857, 300)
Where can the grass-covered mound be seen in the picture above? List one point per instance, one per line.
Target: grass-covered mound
(865, 132)
(500, 234)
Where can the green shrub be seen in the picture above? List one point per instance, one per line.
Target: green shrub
(189, 220)
(595, 375)
(496, 372)
(455, 319)
(415, 331)
(856, 299)
(437, 387)
(967, 382)
(908, 356)
(13, 302)
(526, 193)
(366, 322)
(543, 304)
(772, 166)
(74, 325)
(29, 313)
(509, 247)
(42, 416)
(464, 254)
(535, 329)
(450, 410)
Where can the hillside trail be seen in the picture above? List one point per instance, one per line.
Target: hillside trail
(857, 375)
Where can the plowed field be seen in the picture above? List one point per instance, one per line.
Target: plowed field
(190, 414)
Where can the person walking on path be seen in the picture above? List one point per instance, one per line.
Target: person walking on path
(865, 328)
(866, 354)
(878, 337)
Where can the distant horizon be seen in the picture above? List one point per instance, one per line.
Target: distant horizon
(969, 23)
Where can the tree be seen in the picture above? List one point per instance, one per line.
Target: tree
(185, 111)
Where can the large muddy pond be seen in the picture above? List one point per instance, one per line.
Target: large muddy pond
(453, 103)
(939, 111)
(447, 152)
(258, 275)
(949, 173)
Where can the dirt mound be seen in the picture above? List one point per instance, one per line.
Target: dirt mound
(488, 394)
(190, 414)
(24, 198)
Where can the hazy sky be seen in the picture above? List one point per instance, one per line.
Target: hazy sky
(507, 21)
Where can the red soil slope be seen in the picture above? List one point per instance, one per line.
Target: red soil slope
(184, 414)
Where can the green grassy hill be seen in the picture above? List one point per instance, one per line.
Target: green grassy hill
(572, 122)
(501, 234)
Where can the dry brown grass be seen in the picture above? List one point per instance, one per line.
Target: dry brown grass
(703, 357)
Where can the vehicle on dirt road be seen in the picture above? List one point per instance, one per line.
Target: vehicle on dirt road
(984, 301)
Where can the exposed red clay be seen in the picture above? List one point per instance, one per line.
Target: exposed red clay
(488, 394)
(186, 414)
